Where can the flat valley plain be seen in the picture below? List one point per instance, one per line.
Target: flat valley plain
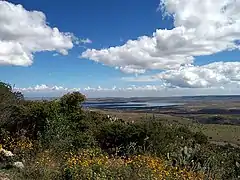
(218, 117)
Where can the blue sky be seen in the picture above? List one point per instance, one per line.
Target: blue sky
(174, 58)
(105, 23)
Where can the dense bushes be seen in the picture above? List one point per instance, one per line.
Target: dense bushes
(59, 140)
(145, 137)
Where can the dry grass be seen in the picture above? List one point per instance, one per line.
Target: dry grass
(219, 133)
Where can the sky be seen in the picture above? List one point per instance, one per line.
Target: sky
(121, 48)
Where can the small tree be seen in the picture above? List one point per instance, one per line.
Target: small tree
(71, 102)
(8, 101)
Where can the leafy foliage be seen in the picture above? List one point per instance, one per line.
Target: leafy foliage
(60, 140)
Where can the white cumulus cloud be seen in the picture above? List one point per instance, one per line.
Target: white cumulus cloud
(131, 70)
(23, 33)
(47, 88)
(78, 40)
(202, 27)
(86, 41)
(130, 91)
(42, 87)
(217, 74)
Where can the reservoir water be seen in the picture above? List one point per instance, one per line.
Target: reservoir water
(127, 105)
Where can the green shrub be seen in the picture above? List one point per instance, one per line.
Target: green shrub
(59, 127)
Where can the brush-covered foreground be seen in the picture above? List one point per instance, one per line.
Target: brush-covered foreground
(59, 140)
